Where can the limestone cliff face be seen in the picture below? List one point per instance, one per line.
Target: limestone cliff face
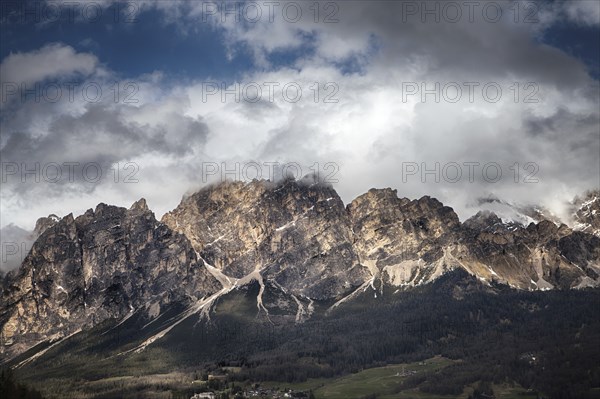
(407, 243)
(103, 264)
(403, 242)
(297, 234)
(539, 256)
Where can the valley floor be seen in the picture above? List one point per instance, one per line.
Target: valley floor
(387, 382)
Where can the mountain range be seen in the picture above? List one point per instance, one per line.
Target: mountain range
(292, 248)
(292, 237)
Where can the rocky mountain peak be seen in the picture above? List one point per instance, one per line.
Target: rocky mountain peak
(103, 264)
(586, 213)
(482, 219)
(139, 205)
(44, 223)
(400, 240)
(545, 229)
(515, 213)
(295, 233)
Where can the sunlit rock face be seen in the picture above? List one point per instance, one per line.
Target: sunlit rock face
(408, 243)
(103, 264)
(539, 256)
(295, 233)
(404, 242)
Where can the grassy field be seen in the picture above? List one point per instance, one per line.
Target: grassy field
(517, 392)
(385, 383)
(379, 380)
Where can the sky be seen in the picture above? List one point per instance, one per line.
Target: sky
(106, 101)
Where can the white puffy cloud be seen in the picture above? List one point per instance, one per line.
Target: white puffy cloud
(371, 134)
(52, 61)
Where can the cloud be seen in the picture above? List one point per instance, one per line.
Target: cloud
(586, 12)
(52, 61)
(15, 243)
(547, 148)
(67, 155)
